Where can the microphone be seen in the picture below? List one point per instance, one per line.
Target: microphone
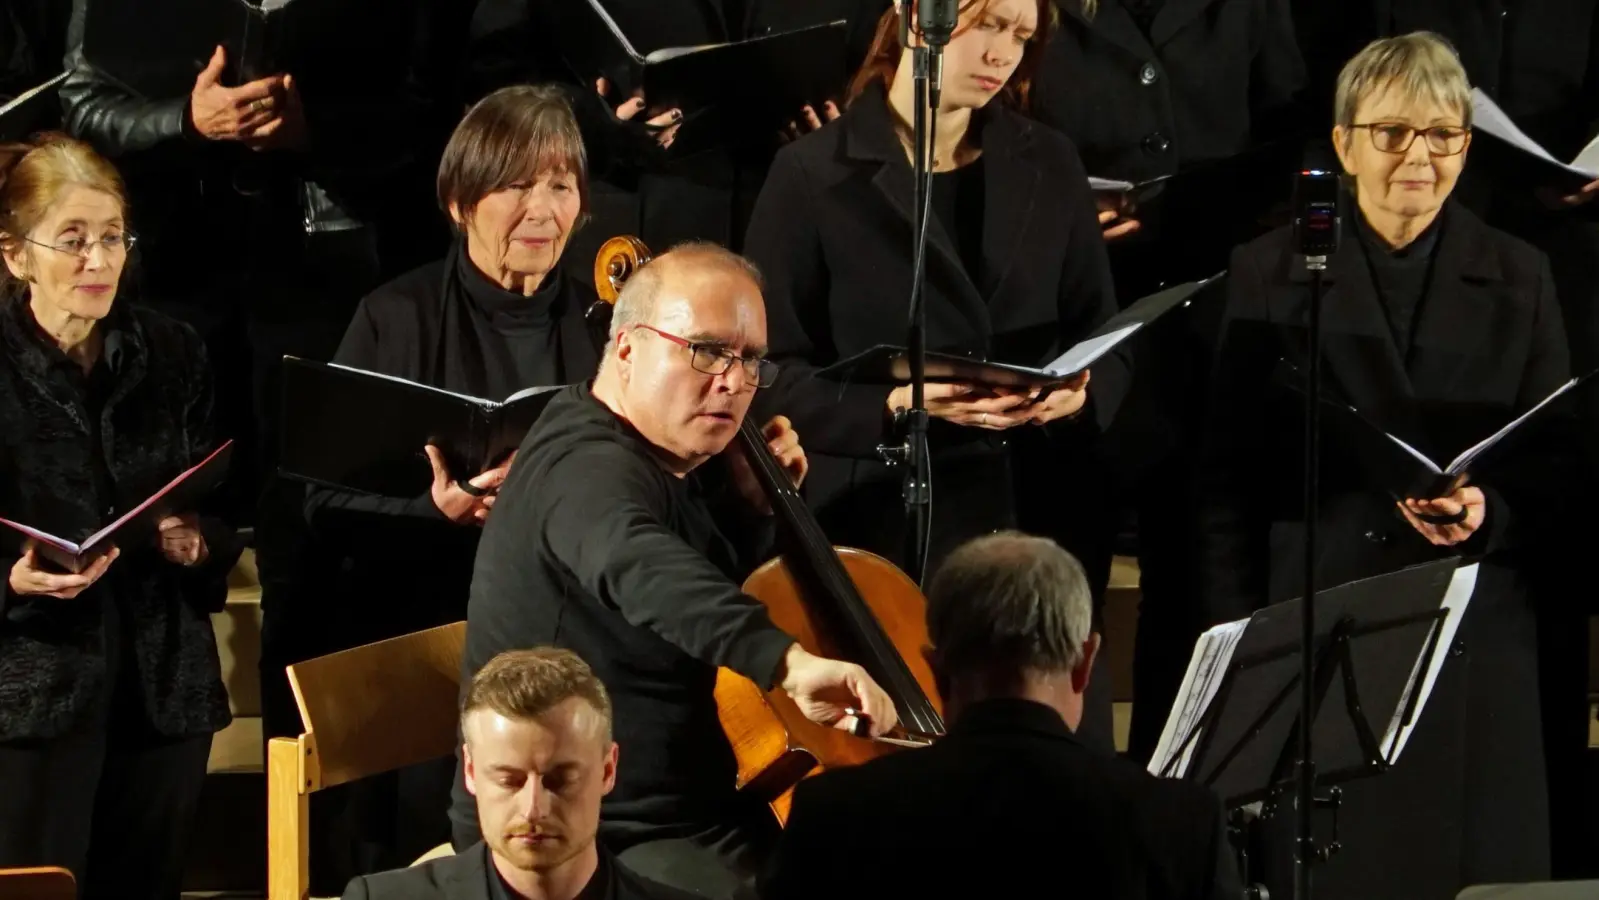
(1316, 213)
(936, 20)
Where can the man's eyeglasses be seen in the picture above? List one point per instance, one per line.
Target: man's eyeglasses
(714, 360)
(112, 244)
(1396, 137)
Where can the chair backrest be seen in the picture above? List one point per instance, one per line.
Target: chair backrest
(48, 883)
(366, 711)
(382, 706)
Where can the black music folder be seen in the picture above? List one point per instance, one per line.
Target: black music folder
(180, 495)
(728, 90)
(1517, 157)
(365, 431)
(1381, 643)
(34, 109)
(889, 364)
(160, 54)
(1396, 465)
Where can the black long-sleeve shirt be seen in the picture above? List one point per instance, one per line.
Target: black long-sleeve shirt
(595, 547)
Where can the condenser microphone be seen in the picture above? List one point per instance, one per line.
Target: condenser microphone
(936, 20)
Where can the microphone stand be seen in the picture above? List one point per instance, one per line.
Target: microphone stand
(928, 73)
(1306, 853)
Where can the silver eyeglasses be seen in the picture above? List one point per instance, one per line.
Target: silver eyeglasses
(81, 247)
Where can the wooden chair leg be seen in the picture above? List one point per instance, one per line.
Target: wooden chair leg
(288, 820)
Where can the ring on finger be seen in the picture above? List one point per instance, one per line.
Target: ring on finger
(982, 419)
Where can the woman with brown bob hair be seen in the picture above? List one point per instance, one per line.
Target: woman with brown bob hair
(110, 686)
(501, 312)
(1016, 272)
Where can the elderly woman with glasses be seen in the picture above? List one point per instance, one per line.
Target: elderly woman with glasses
(110, 686)
(1441, 330)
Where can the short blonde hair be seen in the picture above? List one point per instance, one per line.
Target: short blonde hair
(1421, 65)
(33, 175)
(525, 684)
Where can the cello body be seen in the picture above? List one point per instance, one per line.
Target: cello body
(775, 744)
(839, 603)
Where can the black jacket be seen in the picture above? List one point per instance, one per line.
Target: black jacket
(832, 236)
(1212, 83)
(595, 547)
(156, 423)
(185, 189)
(1467, 803)
(1007, 802)
(469, 875)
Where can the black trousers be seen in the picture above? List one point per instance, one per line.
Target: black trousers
(721, 863)
(115, 810)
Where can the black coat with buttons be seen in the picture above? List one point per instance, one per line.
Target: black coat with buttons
(832, 234)
(155, 423)
(1207, 82)
(1467, 802)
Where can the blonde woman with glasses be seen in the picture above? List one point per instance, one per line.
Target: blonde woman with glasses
(1442, 330)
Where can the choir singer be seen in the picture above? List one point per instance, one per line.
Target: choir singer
(110, 687)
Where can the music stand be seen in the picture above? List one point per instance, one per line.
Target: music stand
(1375, 639)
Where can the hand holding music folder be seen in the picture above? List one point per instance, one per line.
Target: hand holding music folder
(181, 494)
(365, 431)
(1394, 464)
(727, 90)
(160, 55)
(1382, 642)
(888, 364)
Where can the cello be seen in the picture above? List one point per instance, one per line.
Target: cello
(836, 602)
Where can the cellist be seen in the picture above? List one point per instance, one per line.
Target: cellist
(620, 534)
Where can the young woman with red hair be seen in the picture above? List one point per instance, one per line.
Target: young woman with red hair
(1016, 272)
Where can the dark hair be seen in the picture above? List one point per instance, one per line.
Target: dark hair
(514, 133)
(882, 61)
(1009, 601)
(32, 176)
(523, 684)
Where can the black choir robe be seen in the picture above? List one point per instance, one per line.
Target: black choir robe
(1466, 803)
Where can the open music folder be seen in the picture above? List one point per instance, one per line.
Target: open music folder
(365, 431)
(727, 90)
(1396, 465)
(1516, 156)
(1234, 722)
(890, 364)
(180, 495)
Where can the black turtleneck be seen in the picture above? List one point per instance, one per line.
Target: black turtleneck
(516, 334)
(1402, 276)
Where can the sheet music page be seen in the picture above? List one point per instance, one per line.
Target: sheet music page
(1083, 355)
(1456, 599)
(1464, 459)
(1487, 115)
(1108, 184)
(1213, 654)
(30, 93)
(486, 404)
(1420, 457)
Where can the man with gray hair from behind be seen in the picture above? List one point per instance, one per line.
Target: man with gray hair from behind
(1009, 803)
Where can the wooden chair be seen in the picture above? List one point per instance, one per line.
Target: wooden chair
(367, 710)
(47, 883)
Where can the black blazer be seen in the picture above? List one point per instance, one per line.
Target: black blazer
(1008, 802)
(1467, 803)
(832, 234)
(156, 423)
(466, 876)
